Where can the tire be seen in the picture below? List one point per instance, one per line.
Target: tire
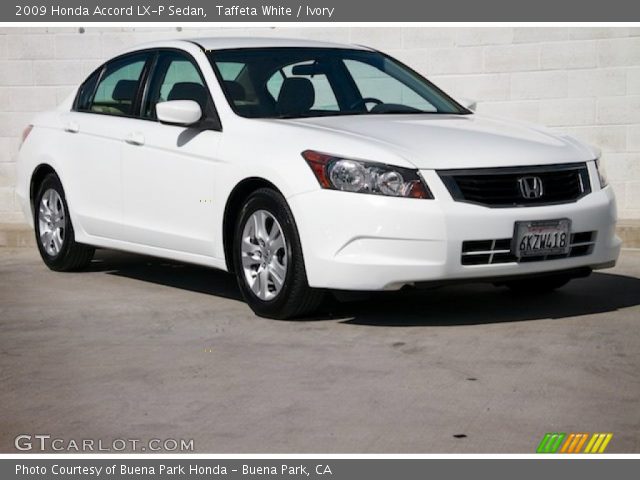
(54, 232)
(269, 266)
(538, 284)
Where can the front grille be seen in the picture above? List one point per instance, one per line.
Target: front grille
(502, 187)
(490, 252)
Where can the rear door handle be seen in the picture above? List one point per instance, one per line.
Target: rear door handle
(135, 138)
(72, 127)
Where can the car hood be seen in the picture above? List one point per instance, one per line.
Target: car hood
(452, 141)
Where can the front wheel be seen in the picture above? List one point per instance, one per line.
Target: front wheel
(268, 259)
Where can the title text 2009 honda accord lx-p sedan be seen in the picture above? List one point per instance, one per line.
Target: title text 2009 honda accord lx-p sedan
(305, 167)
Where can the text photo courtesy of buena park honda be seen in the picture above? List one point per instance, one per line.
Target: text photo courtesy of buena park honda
(328, 239)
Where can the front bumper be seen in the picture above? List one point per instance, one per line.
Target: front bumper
(368, 242)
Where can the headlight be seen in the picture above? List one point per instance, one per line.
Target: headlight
(365, 177)
(601, 173)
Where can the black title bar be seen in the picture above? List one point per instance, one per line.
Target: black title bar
(182, 11)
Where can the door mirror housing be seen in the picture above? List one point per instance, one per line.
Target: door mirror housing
(468, 103)
(185, 113)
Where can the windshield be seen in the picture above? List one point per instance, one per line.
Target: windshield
(313, 82)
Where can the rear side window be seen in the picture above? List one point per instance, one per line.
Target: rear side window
(117, 89)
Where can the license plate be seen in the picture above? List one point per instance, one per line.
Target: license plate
(538, 238)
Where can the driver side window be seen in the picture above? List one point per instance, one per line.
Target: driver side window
(175, 78)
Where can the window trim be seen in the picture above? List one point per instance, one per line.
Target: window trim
(97, 73)
(145, 79)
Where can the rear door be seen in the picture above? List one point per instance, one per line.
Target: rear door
(169, 171)
(96, 130)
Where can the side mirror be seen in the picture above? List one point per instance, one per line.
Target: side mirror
(468, 103)
(179, 112)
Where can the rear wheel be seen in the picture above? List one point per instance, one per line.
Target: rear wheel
(538, 284)
(54, 232)
(268, 259)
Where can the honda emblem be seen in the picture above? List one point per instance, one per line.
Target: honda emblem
(530, 187)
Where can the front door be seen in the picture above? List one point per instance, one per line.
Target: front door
(169, 172)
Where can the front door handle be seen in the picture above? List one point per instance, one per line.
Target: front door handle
(135, 138)
(72, 127)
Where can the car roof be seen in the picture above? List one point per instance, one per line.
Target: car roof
(223, 43)
(227, 43)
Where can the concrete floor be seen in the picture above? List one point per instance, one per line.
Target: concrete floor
(143, 348)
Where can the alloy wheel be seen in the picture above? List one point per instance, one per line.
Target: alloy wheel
(51, 222)
(264, 255)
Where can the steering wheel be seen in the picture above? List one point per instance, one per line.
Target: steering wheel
(363, 102)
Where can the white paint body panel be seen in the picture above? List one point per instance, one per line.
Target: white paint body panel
(165, 196)
(377, 244)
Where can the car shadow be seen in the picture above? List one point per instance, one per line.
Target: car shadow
(458, 305)
(166, 272)
(475, 304)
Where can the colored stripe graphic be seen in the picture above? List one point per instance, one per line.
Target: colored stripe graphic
(573, 442)
(598, 443)
(551, 442)
(605, 442)
(580, 443)
(570, 443)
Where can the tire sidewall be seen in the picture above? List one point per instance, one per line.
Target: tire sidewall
(277, 207)
(57, 261)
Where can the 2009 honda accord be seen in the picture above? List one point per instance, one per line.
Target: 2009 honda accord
(303, 167)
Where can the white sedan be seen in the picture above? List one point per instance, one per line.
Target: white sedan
(304, 167)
